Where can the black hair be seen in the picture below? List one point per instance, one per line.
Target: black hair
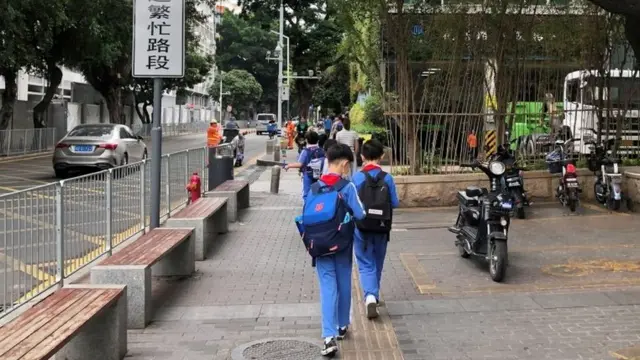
(346, 123)
(372, 149)
(312, 137)
(329, 143)
(322, 138)
(339, 152)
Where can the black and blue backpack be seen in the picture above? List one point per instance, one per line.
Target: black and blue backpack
(327, 220)
(314, 164)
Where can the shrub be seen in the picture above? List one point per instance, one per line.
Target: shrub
(373, 112)
(356, 115)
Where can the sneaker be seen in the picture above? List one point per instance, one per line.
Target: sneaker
(342, 332)
(330, 347)
(372, 306)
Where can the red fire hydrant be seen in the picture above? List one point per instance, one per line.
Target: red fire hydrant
(194, 188)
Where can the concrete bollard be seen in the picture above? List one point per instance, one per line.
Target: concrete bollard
(270, 145)
(275, 179)
(276, 153)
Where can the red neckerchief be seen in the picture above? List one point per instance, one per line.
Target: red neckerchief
(369, 167)
(330, 179)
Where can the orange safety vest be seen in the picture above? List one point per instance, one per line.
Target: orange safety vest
(213, 136)
(291, 128)
(472, 141)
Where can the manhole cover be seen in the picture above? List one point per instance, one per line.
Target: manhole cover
(278, 349)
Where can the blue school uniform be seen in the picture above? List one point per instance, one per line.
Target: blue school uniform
(370, 258)
(304, 158)
(334, 271)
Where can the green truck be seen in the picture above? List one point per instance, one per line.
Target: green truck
(527, 136)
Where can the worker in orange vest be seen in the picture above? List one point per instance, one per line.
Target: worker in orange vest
(472, 142)
(291, 133)
(213, 134)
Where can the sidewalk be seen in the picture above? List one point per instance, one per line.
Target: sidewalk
(257, 284)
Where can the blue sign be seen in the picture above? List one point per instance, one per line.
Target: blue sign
(417, 30)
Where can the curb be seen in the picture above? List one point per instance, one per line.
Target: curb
(265, 162)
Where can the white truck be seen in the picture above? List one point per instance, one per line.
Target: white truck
(617, 94)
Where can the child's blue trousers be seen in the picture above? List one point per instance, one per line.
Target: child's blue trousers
(334, 278)
(370, 260)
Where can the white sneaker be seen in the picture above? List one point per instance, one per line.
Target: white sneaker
(372, 306)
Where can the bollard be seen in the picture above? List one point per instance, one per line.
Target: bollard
(275, 179)
(276, 153)
(270, 145)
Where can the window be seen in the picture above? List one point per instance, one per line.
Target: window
(573, 90)
(101, 131)
(124, 134)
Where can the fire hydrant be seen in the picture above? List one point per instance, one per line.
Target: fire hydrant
(194, 188)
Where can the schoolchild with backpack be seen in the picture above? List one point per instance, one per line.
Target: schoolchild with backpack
(377, 192)
(327, 228)
(310, 162)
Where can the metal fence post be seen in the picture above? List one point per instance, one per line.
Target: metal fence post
(60, 233)
(168, 184)
(143, 195)
(186, 168)
(109, 207)
(24, 142)
(203, 175)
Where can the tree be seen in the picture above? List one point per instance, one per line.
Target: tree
(242, 45)
(26, 30)
(630, 10)
(332, 93)
(313, 33)
(244, 89)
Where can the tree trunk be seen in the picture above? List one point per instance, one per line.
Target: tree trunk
(632, 31)
(304, 98)
(9, 96)
(113, 98)
(54, 77)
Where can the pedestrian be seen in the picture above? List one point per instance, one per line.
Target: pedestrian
(327, 125)
(327, 218)
(377, 192)
(472, 143)
(350, 138)
(310, 162)
(213, 134)
(291, 133)
(337, 126)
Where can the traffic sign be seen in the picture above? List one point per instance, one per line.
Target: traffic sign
(158, 38)
(417, 30)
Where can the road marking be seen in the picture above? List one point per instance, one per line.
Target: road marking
(416, 272)
(23, 179)
(17, 158)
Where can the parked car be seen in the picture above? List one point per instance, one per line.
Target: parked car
(97, 147)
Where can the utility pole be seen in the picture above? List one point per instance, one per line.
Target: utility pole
(280, 61)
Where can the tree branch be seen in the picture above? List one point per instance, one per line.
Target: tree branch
(620, 7)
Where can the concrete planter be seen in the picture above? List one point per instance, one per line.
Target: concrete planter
(441, 190)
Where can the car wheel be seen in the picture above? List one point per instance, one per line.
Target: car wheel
(145, 155)
(125, 159)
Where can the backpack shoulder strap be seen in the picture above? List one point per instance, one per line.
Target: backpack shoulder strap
(340, 184)
(315, 188)
(381, 175)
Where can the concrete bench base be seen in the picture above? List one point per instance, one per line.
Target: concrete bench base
(178, 260)
(237, 194)
(206, 228)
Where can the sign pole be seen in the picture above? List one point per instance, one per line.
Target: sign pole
(156, 154)
(158, 53)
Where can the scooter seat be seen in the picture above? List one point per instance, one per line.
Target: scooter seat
(474, 191)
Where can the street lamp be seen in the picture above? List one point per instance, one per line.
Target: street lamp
(277, 56)
(288, 69)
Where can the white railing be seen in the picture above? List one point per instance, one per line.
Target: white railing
(49, 232)
(26, 141)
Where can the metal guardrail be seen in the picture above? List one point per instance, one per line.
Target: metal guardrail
(26, 141)
(49, 232)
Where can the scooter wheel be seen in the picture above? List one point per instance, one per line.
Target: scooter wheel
(614, 204)
(498, 260)
(520, 213)
(572, 204)
(463, 253)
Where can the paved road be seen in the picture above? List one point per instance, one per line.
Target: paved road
(28, 218)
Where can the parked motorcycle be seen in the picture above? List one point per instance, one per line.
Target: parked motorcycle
(483, 221)
(568, 189)
(513, 179)
(607, 185)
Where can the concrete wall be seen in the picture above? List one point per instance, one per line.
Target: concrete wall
(441, 190)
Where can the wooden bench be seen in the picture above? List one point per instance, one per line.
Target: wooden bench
(208, 216)
(160, 252)
(75, 322)
(237, 194)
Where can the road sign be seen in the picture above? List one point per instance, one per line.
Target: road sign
(229, 108)
(285, 93)
(417, 30)
(158, 38)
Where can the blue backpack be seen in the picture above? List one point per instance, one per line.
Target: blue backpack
(314, 165)
(327, 221)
